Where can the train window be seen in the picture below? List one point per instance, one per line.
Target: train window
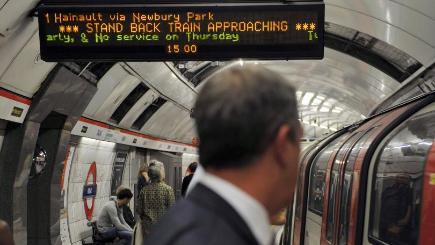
(398, 180)
(317, 176)
(299, 182)
(346, 194)
(333, 185)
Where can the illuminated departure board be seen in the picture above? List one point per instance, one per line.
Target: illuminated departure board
(181, 32)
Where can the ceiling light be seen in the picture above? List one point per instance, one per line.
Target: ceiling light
(322, 126)
(329, 102)
(298, 95)
(316, 101)
(324, 109)
(320, 97)
(337, 110)
(307, 98)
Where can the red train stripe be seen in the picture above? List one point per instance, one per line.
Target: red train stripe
(427, 225)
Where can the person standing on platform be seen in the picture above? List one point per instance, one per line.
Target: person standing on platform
(154, 200)
(142, 179)
(247, 121)
(195, 179)
(186, 180)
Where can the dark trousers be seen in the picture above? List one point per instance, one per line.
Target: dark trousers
(111, 233)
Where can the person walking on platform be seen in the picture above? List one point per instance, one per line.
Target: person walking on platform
(186, 180)
(247, 121)
(110, 221)
(154, 200)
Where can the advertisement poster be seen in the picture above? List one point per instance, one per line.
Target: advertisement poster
(118, 171)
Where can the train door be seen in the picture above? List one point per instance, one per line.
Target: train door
(289, 227)
(316, 191)
(326, 180)
(330, 223)
(298, 216)
(291, 214)
(330, 217)
(396, 210)
(337, 224)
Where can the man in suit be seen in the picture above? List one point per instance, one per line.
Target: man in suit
(247, 122)
(188, 178)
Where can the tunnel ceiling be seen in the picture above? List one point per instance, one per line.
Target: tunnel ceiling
(371, 52)
(333, 92)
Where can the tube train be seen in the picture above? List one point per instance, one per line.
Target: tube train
(370, 183)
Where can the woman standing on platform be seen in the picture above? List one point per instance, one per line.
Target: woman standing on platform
(142, 179)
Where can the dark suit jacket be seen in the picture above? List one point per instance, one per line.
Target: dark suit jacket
(185, 184)
(128, 216)
(203, 218)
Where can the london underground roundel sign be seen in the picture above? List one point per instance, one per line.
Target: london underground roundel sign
(90, 191)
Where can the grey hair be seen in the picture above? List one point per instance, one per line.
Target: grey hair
(155, 174)
(159, 165)
(238, 113)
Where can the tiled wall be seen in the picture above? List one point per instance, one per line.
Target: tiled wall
(86, 152)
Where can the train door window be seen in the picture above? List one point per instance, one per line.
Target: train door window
(299, 183)
(298, 196)
(346, 194)
(317, 176)
(299, 190)
(398, 178)
(334, 184)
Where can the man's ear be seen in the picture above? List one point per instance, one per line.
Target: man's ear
(295, 132)
(281, 145)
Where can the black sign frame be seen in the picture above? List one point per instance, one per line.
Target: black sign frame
(131, 53)
(111, 2)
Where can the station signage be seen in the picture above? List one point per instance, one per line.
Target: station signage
(90, 191)
(165, 32)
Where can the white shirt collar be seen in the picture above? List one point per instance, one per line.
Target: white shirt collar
(251, 211)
